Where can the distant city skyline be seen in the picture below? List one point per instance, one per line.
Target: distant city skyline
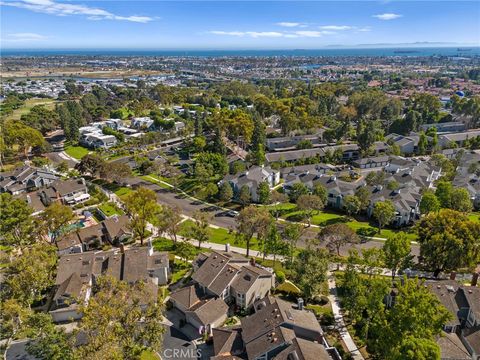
(50, 24)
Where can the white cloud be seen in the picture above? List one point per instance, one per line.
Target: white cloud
(387, 16)
(253, 34)
(336, 27)
(64, 9)
(274, 34)
(290, 24)
(365, 29)
(19, 37)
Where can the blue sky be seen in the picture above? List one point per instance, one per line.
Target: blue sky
(234, 25)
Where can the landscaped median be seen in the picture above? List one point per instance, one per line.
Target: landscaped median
(290, 212)
(157, 180)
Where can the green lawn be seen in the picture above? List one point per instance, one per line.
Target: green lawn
(475, 216)
(149, 179)
(110, 209)
(180, 270)
(76, 152)
(28, 105)
(149, 355)
(325, 218)
(220, 236)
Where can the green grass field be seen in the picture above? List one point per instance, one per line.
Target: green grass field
(220, 236)
(109, 209)
(28, 105)
(76, 152)
(289, 212)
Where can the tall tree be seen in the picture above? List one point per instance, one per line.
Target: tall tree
(263, 192)
(200, 228)
(253, 220)
(417, 314)
(292, 233)
(309, 204)
(274, 245)
(29, 274)
(429, 203)
(225, 192)
(335, 236)
(142, 207)
(384, 213)
(276, 200)
(364, 196)
(396, 251)
(460, 200)
(120, 321)
(448, 240)
(296, 191)
(168, 221)
(16, 223)
(351, 204)
(444, 193)
(91, 164)
(311, 271)
(54, 220)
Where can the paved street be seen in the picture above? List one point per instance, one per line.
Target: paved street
(188, 206)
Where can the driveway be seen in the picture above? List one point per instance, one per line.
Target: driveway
(177, 346)
(188, 331)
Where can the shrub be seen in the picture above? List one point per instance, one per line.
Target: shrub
(280, 276)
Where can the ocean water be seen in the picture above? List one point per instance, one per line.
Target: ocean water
(373, 52)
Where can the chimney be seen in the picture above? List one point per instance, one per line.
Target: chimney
(300, 303)
(252, 261)
(227, 247)
(453, 275)
(29, 199)
(122, 248)
(475, 279)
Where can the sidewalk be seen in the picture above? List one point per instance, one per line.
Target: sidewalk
(339, 322)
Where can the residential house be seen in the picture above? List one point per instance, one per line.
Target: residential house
(143, 123)
(252, 178)
(68, 192)
(450, 127)
(336, 189)
(350, 152)
(467, 175)
(98, 140)
(277, 330)
(463, 304)
(25, 179)
(179, 126)
(407, 144)
(77, 273)
(458, 138)
(411, 179)
(220, 279)
(371, 162)
(291, 142)
(112, 231)
(231, 277)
